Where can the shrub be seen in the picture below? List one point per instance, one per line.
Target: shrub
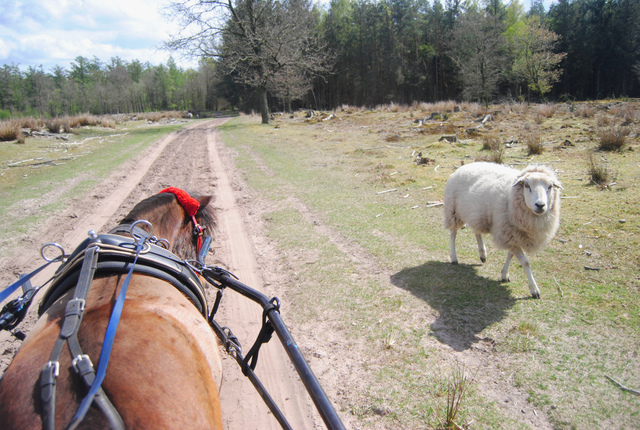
(612, 138)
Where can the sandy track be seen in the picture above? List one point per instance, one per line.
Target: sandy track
(189, 159)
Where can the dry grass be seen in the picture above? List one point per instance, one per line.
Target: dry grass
(58, 125)
(612, 138)
(587, 319)
(534, 143)
(585, 111)
(628, 113)
(598, 173)
(457, 388)
(83, 120)
(489, 142)
(31, 123)
(546, 110)
(9, 130)
(515, 108)
(108, 122)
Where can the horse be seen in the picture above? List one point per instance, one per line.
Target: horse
(164, 370)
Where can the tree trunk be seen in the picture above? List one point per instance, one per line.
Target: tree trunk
(264, 105)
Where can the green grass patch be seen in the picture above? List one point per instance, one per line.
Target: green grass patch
(377, 270)
(62, 170)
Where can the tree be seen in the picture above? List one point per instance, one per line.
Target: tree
(255, 40)
(477, 43)
(535, 59)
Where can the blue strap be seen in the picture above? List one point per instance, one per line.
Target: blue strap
(11, 288)
(108, 343)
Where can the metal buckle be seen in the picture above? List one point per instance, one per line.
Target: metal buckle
(56, 367)
(81, 358)
(75, 305)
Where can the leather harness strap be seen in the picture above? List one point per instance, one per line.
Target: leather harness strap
(81, 362)
(105, 254)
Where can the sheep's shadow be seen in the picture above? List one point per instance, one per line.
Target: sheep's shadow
(466, 302)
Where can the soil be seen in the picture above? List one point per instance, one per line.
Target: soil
(196, 159)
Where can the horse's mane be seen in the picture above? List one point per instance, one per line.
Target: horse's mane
(185, 245)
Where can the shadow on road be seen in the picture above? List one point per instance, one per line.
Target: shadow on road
(466, 302)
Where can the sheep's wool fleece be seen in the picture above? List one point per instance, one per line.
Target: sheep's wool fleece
(483, 196)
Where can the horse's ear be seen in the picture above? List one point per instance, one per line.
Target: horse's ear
(204, 201)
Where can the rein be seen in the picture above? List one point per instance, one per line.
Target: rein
(106, 253)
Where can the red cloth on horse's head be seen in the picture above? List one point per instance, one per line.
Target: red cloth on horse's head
(189, 204)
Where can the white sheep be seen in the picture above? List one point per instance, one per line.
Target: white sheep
(521, 210)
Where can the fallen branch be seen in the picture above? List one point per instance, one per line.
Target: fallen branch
(387, 191)
(23, 161)
(39, 162)
(622, 387)
(433, 205)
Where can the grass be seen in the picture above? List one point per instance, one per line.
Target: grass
(599, 173)
(9, 130)
(68, 168)
(372, 267)
(612, 138)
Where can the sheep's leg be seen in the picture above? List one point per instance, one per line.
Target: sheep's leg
(524, 261)
(453, 256)
(505, 269)
(482, 250)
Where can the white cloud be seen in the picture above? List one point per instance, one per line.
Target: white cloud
(55, 32)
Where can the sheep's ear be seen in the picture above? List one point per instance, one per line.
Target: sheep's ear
(519, 182)
(557, 185)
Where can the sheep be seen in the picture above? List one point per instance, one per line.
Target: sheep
(521, 210)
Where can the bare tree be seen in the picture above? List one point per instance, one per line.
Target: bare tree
(257, 41)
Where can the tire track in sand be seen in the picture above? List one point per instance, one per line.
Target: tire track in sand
(244, 408)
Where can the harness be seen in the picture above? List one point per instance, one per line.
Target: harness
(143, 253)
(106, 254)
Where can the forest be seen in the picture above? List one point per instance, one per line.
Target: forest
(354, 52)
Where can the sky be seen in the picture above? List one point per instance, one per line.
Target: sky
(55, 32)
(52, 33)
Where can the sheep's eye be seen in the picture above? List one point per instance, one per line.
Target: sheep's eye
(550, 186)
(527, 186)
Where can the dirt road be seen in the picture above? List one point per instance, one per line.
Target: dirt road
(192, 159)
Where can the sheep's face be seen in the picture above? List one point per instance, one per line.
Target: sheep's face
(538, 191)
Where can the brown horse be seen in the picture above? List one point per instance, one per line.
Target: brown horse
(164, 369)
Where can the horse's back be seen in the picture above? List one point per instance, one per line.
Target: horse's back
(164, 370)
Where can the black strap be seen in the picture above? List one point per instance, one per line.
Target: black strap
(74, 312)
(263, 337)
